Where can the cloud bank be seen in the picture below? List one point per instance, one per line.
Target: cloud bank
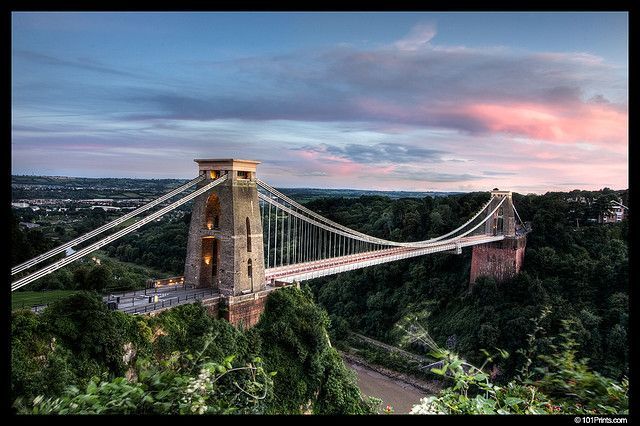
(453, 116)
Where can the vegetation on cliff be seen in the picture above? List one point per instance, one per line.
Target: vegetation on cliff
(78, 357)
(575, 272)
(580, 273)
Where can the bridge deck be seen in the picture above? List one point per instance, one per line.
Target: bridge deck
(335, 265)
(143, 301)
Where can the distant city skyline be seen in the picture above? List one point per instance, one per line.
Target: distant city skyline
(420, 101)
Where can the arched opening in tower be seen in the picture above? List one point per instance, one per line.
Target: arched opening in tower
(250, 273)
(248, 235)
(209, 267)
(212, 212)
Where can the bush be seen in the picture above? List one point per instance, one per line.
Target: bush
(95, 335)
(178, 362)
(38, 363)
(572, 384)
(179, 385)
(564, 386)
(184, 327)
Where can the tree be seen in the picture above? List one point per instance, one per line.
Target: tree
(80, 277)
(98, 278)
(299, 352)
(39, 364)
(187, 385)
(94, 334)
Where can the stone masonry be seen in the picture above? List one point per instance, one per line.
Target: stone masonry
(219, 256)
(244, 311)
(225, 247)
(501, 259)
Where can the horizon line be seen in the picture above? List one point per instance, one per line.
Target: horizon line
(336, 189)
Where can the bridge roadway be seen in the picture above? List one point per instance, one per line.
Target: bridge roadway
(142, 301)
(335, 265)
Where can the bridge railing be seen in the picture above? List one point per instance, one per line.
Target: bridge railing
(174, 301)
(146, 292)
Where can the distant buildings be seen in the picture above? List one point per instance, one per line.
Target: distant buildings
(106, 208)
(617, 213)
(64, 205)
(578, 199)
(29, 225)
(23, 205)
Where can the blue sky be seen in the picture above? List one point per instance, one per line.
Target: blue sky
(414, 101)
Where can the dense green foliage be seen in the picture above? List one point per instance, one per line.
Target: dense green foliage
(73, 339)
(580, 272)
(561, 385)
(183, 384)
(569, 380)
(575, 270)
(26, 244)
(78, 357)
(310, 373)
(162, 245)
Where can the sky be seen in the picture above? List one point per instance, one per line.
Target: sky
(528, 102)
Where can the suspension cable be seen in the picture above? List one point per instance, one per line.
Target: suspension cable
(83, 252)
(516, 211)
(38, 259)
(366, 237)
(350, 237)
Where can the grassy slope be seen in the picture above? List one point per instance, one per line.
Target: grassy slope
(30, 298)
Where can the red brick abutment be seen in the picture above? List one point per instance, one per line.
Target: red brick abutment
(242, 311)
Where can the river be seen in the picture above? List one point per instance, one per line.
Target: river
(399, 395)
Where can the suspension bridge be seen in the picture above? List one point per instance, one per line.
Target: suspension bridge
(247, 239)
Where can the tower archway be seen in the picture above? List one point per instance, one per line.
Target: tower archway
(210, 262)
(212, 212)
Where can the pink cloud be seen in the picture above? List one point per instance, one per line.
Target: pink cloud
(585, 122)
(576, 122)
(319, 160)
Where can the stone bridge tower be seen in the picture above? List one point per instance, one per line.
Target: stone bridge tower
(225, 248)
(500, 260)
